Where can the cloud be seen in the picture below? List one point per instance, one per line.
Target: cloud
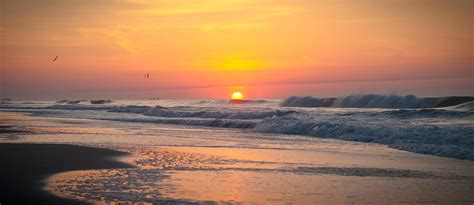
(117, 35)
(210, 7)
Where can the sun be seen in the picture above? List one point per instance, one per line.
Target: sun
(237, 96)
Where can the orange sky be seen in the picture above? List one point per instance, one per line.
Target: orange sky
(209, 48)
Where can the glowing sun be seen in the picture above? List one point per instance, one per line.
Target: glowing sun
(237, 96)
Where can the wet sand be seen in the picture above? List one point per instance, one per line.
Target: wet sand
(26, 166)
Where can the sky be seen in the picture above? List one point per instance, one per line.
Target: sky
(210, 48)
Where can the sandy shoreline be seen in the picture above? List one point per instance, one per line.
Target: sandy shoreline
(26, 166)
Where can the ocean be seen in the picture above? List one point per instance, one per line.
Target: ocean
(447, 131)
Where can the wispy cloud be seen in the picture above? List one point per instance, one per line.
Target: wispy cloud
(173, 8)
(118, 35)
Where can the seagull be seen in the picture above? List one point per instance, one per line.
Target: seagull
(56, 58)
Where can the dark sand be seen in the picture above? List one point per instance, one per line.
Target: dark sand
(24, 167)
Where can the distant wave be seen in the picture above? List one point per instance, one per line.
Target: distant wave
(210, 102)
(307, 101)
(184, 112)
(223, 102)
(252, 101)
(93, 102)
(374, 101)
(429, 113)
(382, 101)
(99, 102)
(79, 107)
(71, 102)
(207, 122)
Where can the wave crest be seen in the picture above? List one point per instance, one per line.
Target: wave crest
(375, 101)
(382, 101)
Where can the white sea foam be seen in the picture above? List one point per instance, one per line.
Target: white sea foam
(423, 135)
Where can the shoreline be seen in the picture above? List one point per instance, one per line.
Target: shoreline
(25, 168)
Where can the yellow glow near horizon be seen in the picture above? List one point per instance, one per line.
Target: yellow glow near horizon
(237, 64)
(237, 96)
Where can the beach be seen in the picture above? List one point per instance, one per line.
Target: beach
(25, 167)
(178, 164)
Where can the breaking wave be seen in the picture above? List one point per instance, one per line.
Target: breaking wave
(375, 101)
(422, 137)
(307, 101)
(466, 107)
(382, 101)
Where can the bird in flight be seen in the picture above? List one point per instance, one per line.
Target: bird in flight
(56, 58)
(147, 75)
